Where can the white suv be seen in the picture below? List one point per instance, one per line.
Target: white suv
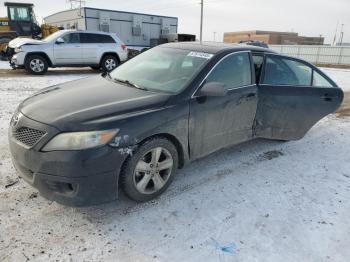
(68, 48)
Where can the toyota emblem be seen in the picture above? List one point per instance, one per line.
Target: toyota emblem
(15, 119)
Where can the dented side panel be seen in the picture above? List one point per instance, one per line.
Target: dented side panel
(218, 122)
(170, 120)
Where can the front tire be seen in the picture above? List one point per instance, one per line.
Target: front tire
(109, 63)
(36, 65)
(150, 170)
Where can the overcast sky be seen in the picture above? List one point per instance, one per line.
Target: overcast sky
(307, 17)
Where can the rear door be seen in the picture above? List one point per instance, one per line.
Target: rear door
(90, 45)
(94, 45)
(70, 52)
(218, 122)
(293, 96)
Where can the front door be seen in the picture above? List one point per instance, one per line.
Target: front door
(293, 96)
(70, 52)
(217, 122)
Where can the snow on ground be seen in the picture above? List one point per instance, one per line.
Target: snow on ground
(340, 76)
(263, 200)
(4, 65)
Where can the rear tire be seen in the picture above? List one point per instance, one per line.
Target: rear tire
(36, 65)
(150, 170)
(109, 63)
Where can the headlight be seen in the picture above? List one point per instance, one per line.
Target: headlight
(80, 140)
(18, 49)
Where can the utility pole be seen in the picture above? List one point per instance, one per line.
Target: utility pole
(201, 28)
(335, 35)
(80, 2)
(341, 35)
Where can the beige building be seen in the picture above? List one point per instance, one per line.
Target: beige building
(273, 38)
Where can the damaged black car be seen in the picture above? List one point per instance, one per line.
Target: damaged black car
(79, 142)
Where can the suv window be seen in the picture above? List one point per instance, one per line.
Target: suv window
(88, 38)
(71, 38)
(286, 71)
(233, 71)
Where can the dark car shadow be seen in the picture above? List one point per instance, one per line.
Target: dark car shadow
(50, 72)
(190, 177)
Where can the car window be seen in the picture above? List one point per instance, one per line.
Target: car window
(320, 81)
(71, 38)
(96, 39)
(162, 69)
(233, 71)
(286, 71)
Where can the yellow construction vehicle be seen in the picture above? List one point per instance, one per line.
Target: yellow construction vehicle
(21, 22)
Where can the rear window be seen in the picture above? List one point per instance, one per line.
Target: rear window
(281, 70)
(97, 39)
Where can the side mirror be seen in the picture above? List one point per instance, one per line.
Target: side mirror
(213, 89)
(59, 41)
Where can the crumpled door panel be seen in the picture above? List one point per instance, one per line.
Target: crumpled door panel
(288, 112)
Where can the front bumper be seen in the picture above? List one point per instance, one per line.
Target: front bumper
(74, 178)
(17, 60)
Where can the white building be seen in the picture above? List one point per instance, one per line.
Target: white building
(135, 29)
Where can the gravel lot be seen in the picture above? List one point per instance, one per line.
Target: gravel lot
(260, 201)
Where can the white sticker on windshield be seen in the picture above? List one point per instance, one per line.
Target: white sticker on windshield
(201, 55)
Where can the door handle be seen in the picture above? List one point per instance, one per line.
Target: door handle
(327, 97)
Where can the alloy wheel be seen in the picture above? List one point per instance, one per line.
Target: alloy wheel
(37, 65)
(153, 170)
(110, 64)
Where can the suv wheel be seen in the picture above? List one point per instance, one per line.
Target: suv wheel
(36, 65)
(150, 170)
(109, 62)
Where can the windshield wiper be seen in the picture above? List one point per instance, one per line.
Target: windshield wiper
(127, 82)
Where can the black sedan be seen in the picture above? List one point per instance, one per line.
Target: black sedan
(78, 142)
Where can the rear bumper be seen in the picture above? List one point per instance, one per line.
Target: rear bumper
(74, 178)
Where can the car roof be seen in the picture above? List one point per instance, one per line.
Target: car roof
(86, 31)
(215, 47)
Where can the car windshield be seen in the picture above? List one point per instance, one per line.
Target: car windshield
(161, 69)
(53, 36)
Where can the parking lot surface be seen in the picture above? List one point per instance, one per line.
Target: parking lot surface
(259, 201)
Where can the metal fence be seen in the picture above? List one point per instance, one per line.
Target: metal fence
(326, 55)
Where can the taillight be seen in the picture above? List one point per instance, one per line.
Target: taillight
(124, 47)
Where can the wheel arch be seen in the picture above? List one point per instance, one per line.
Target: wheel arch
(173, 139)
(109, 53)
(49, 62)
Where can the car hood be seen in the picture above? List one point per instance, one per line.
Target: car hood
(82, 104)
(17, 42)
